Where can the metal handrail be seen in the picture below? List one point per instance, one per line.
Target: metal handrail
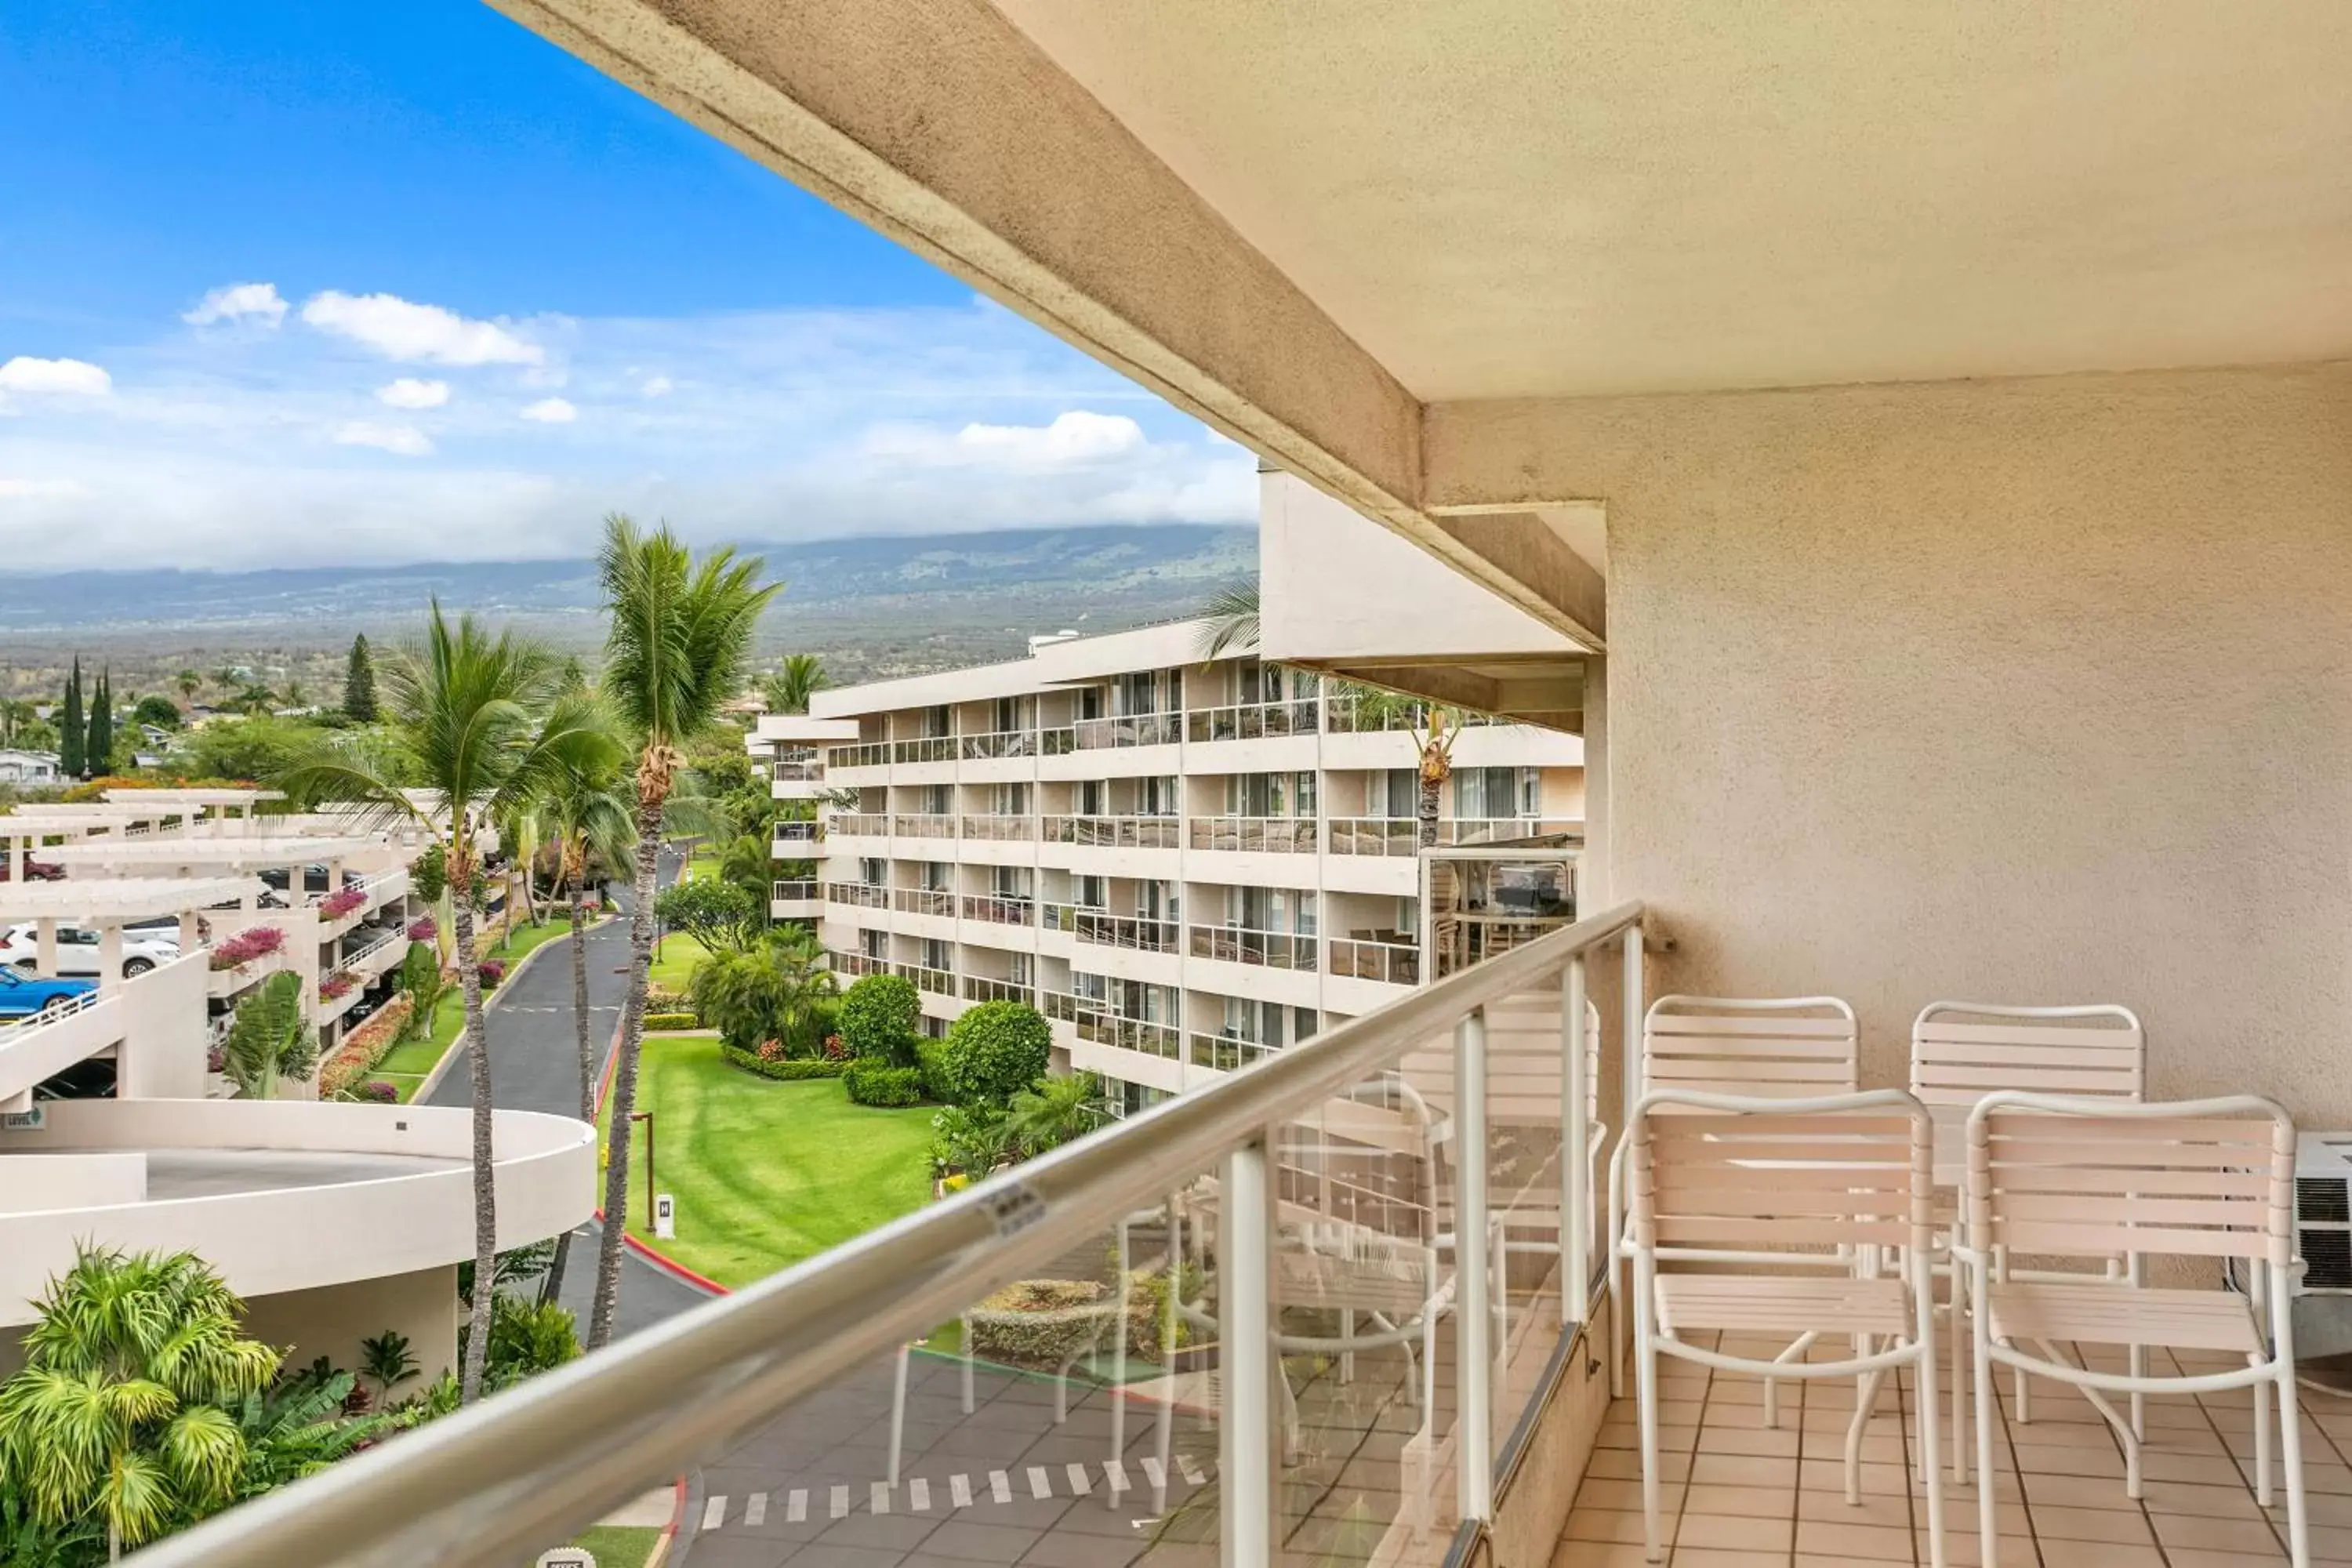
(493, 1484)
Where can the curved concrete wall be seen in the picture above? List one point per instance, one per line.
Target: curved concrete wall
(300, 1238)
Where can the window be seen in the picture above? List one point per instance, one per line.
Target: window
(1157, 797)
(1496, 792)
(1393, 793)
(934, 954)
(873, 873)
(1270, 794)
(1008, 799)
(1010, 715)
(936, 875)
(936, 800)
(1090, 892)
(1008, 881)
(873, 944)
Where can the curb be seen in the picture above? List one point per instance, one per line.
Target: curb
(668, 1536)
(432, 1079)
(659, 1259)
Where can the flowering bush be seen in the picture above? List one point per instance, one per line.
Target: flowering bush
(254, 941)
(336, 985)
(422, 929)
(216, 1057)
(340, 903)
(364, 1046)
(493, 970)
(375, 1091)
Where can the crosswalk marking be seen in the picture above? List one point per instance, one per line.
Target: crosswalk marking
(1080, 1482)
(919, 1495)
(755, 1511)
(1115, 1474)
(879, 1496)
(841, 1502)
(714, 1513)
(999, 1486)
(1192, 1476)
(1154, 1471)
(796, 1506)
(1038, 1486)
(960, 1489)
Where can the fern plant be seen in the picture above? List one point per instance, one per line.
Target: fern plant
(270, 1039)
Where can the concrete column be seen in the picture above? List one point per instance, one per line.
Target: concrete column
(45, 948)
(188, 931)
(110, 957)
(17, 856)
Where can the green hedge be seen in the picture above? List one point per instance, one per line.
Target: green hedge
(931, 1061)
(788, 1069)
(871, 1082)
(672, 1021)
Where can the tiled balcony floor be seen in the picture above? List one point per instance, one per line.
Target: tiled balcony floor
(1737, 1495)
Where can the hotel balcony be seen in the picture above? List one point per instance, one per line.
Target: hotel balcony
(801, 899)
(797, 840)
(797, 745)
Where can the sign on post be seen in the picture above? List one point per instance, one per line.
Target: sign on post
(567, 1557)
(665, 1218)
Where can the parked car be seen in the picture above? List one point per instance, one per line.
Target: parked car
(21, 996)
(35, 870)
(78, 950)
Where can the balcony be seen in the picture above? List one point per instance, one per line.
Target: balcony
(871, 754)
(856, 895)
(859, 825)
(982, 988)
(1115, 832)
(1251, 720)
(1238, 944)
(1391, 962)
(937, 902)
(798, 900)
(1000, 909)
(1000, 830)
(1137, 933)
(1137, 1034)
(1400, 835)
(856, 964)
(923, 825)
(1133, 730)
(1226, 1053)
(797, 840)
(999, 745)
(1254, 835)
(936, 982)
(930, 749)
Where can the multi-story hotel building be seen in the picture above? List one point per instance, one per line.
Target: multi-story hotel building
(1184, 862)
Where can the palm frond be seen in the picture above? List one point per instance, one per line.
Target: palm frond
(1231, 620)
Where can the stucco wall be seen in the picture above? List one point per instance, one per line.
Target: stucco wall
(2037, 691)
(331, 1321)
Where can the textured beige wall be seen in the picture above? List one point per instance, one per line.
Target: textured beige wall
(331, 1321)
(2037, 691)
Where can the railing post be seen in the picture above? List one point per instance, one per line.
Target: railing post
(1575, 1167)
(1248, 1449)
(1474, 1372)
(1629, 1043)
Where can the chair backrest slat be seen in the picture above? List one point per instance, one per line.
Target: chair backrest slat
(2098, 1178)
(1760, 1179)
(1779, 1047)
(2097, 1052)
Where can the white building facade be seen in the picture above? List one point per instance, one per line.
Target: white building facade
(1185, 863)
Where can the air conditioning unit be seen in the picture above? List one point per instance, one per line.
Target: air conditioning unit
(2323, 1226)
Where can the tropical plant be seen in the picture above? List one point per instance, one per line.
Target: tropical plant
(994, 1051)
(299, 1427)
(157, 709)
(680, 631)
(749, 862)
(190, 682)
(475, 719)
(789, 686)
(773, 991)
(528, 1337)
(1054, 1111)
(1229, 621)
(969, 1139)
(879, 1017)
(1433, 727)
(719, 915)
(18, 716)
(118, 1419)
(387, 1361)
(270, 1039)
(244, 946)
(421, 978)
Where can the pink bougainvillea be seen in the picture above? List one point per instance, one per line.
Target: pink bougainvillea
(422, 929)
(336, 985)
(254, 941)
(493, 971)
(334, 906)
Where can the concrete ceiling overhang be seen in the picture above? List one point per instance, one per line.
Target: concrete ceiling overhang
(1344, 233)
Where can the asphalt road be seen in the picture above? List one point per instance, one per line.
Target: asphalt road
(535, 1066)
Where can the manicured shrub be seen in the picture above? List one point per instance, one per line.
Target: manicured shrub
(339, 984)
(880, 1017)
(931, 1060)
(422, 929)
(254, 941)
(1039, 1323)
(785, 1069)
(994, 1051)
(871, 1082)
(672, 1021)
(527, 1338)
(334, 906)
(493, 971)
(375, 1091)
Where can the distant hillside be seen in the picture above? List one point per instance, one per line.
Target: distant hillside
(872, 606)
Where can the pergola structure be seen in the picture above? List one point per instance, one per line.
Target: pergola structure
(110, 903)
(186, 856)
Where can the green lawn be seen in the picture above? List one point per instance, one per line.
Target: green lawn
(675, 960)
(767, 1174)
(620, 1546)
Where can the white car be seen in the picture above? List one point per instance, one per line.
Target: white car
(78, 950)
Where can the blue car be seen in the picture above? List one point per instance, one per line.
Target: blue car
(22, 997)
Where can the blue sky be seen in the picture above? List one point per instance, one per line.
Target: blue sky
(297, 283)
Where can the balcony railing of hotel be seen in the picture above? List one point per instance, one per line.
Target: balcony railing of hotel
(923, 825)
(862, 895)
(794, 892)
(999, 827)
(923, 901)
(799, 832)
(860, 824)
(929, 748)
(938, 982)
(1057, 740)
(1115, 832)
(1260, 1196)
(857, 963)
(1251, 720)
(870, 754)
(1000, 909)
(1057, 917)
(1000, 744)
(1238, 944)
(1227, 1053)
(983, 988)
(1107, 1028)
(1274, 834)
(1392, 962)
(1400, 835)
(1058, 1005)
(1342, 717)
(1128, 730)
(811, 771)
(1139, 932)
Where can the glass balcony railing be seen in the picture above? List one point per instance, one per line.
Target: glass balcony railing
(1391, 962)
(930, 749)
(998, 744)
(1139, 932)
(1057, 917)
(1236, 944)
(923, 825)
(860, 824)
(1105, 1029)
(857, 963)
(871, 754)
(981, 988)
(1227, 1053)
(794, 892)
(938, 982)
(1001, 828)
(859, 895)
(923, 901)
(1256, 835)
(798, 834)
(999, 909)
(1115, 832)
(1130, 730)
(1251, 720)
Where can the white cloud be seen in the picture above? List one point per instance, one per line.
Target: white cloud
(71, 376)
(41, 489)
(550, 411)
(408, 391)
(256, 302)
(1077, 439)
(403, 330)
(656, 386)
(406, 440)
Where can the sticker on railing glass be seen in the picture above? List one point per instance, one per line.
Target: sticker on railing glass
(1015, 1209)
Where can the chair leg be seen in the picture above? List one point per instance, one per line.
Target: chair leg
(2262, 1439)
(1930, 1434)
(1645, 1373)
(1961, 1381)
(1772, 1385)
(1987, 1416)
(2298, 1521)
(1866, 1401)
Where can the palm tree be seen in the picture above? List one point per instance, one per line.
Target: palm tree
(270, 1039)
(470, 718)
(1435, 728)
(586, 808)
(1055, 1111)
(190, 682)
(1232, 613)
(791, 684)
(118, 1413)
(679, 636)
(16, 716)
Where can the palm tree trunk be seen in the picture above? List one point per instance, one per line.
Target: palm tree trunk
(551, 1288)
(624, 1072)
(1428, 810)
(486, 1201)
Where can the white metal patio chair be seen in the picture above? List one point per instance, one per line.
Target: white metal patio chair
(2209, 1179)
(1809, 1192)
(1962, 1051)
(1769, 1048)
